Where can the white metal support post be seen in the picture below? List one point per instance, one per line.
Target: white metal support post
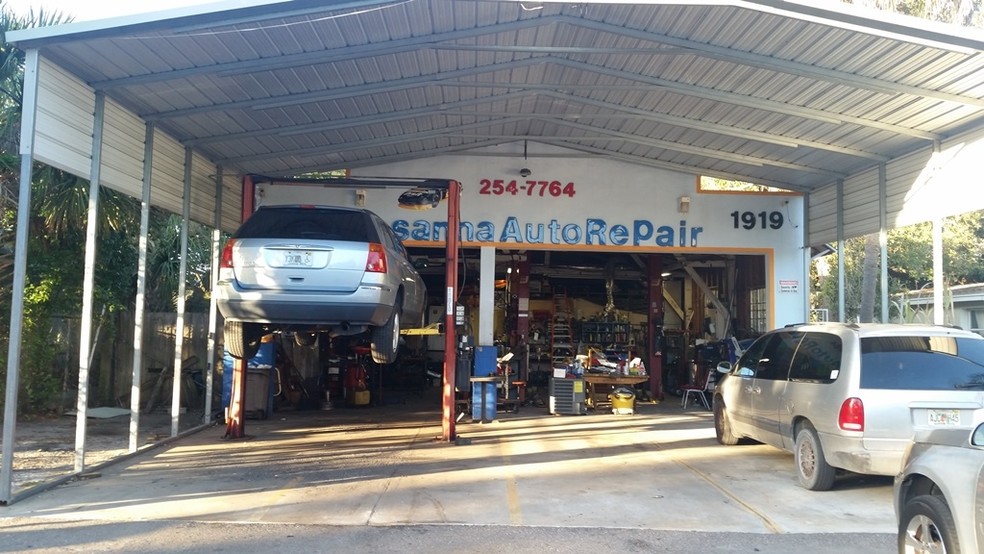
(29, 103)
(883, 238)
(213, 317)
(938, 285)
(841, 303)
(179, 327)
(486, 297)
(88, 283)
(139, 314)
(807, 258)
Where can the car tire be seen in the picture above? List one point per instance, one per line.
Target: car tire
(926, 525)
(812, 469)
(722, 425)
(386, 338)
(242, 340)
(305, 339)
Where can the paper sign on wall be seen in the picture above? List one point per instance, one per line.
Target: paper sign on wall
(788, 285)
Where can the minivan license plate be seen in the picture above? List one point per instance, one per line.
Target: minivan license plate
(944, 417)
(293, 258)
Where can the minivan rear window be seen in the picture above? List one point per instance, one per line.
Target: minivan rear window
(922, 363)
(308, 223)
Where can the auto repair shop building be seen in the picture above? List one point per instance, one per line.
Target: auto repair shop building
(873, 120)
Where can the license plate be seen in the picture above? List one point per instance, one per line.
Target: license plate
(944, 417)
(294, 258)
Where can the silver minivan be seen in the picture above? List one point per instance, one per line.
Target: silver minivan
(850, 396)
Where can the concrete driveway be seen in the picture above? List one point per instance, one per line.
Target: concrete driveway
(660, 469)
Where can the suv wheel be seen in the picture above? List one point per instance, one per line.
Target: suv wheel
(926, 525)
(242, 340)
(386, 339)
(812, 469)
(722, 425)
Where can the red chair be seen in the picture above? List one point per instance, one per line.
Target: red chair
(699, 391)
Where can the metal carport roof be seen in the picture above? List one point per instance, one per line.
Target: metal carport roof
(860, 110)
(778, 93)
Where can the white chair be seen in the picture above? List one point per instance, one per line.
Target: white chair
(700, 391)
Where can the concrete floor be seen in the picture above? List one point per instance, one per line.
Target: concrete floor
(380, 466)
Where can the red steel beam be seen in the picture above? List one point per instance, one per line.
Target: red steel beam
(655, 363)
(236, 412)
(451, 284)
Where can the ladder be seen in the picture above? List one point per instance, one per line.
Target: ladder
(561, 341)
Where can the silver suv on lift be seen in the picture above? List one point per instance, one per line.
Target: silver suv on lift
(850, 396)
(312, 269)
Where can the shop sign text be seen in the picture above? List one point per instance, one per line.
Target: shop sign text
(593, 232)
(501, 187)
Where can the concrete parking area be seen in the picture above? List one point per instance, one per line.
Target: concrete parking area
(385, 467)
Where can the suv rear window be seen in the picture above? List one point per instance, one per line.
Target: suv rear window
(308, 223)
(922, 363)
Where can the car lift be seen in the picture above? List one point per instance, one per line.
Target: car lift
(235, 418)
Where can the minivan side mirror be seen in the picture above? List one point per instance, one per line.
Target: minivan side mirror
(724, 367)
(977, 439)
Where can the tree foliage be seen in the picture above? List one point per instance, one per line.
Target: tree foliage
(961, 12)
(910, 264)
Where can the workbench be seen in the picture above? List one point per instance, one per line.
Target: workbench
(600, 385)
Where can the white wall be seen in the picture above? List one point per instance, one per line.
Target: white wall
(613, 206)
(63, 139)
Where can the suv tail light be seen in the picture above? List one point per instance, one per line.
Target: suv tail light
(377, 258)
(851, 417)
(225, 261)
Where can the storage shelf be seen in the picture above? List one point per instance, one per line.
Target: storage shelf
(606, 333)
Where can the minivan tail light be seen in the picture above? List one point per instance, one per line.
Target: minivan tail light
(851, 417)
(225, 261)
(377, 258)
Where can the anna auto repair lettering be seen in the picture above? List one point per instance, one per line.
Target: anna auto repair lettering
(593, 232)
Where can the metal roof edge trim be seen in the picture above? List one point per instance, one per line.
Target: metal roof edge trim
(848, 16)
(25, 38)
(225, 12)
(893, 25)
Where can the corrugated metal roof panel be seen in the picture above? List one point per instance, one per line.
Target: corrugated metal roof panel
(777, 94)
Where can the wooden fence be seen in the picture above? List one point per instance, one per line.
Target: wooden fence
(111, 370)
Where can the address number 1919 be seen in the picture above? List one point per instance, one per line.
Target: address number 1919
(760, 220)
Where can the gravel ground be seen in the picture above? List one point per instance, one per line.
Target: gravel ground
(45, 447)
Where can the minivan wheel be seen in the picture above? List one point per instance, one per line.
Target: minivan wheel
(242, 340)
(386, 339)
(926, 525)
(722, 425)
(812, 469)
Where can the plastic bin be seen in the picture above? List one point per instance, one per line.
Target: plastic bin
(259, 398)
(623, 401)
